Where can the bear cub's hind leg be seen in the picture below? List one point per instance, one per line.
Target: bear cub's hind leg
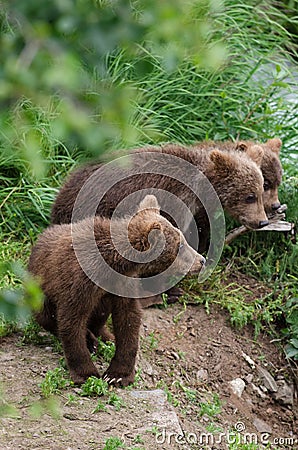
(72, 330)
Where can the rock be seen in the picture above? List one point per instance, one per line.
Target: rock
(258, 390)
(262, 426)
(202, 375)
(267, 379)
(148, 369)
(248, 378)
(237, 386)
(285, 393)
(249, 360)
(161, 413)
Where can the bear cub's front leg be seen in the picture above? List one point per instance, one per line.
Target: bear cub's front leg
(126, 318)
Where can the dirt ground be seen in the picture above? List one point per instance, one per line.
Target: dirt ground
(192, 357)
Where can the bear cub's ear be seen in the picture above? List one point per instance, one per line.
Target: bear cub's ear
(149, 202)
(223, 162)
(241, 146)
(151, 234)
(274, 145)
(256, 153)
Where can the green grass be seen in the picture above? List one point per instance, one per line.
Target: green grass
(114, 443)
(7, 327)
(42, 139)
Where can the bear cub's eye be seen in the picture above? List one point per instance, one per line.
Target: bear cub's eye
(251, 198)
(267, 185)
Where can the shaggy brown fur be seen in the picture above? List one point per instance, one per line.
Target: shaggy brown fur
(76, 309)
(234, 175)
(271, 169)
(270, 166)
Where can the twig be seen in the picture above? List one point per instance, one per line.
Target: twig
(235, 233)
(276, 223)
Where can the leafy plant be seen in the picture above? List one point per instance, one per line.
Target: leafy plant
(54, 381)
(106, 350)
(113, 443)
(94, 387)
(101, 406)
(150, 342)
(7, 327)
(291, 316)
(17, 303)
(115, 400)
(210, 408)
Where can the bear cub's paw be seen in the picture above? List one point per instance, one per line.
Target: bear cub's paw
(118, 378)
(79, 378)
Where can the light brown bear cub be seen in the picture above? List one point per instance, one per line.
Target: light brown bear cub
(270, 165)
(73, 301)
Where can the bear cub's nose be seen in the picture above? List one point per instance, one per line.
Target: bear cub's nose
(275, 206)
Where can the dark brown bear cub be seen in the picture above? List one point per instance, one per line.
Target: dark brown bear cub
(79, 307)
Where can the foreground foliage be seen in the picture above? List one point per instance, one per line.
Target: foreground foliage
(79, 81)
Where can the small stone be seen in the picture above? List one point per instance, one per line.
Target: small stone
(202, 375)
(249, 378)
(262, 426)
(258, 390)
(175, 355)
(77, 390)
(249, 360)
(237, 386)
(267, 379)
(285, 393)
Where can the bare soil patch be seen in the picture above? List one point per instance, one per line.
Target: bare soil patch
(189, 354)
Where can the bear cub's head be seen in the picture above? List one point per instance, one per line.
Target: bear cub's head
(239, 183)
(271, 169)
(160, 244)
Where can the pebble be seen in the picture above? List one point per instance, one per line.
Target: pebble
(267, 379)
(258, 390)
(202, 375)
(285, 393)
(249, 378)
(237, 386)
(262, 426)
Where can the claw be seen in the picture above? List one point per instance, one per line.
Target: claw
(112, 380)
(119, 379)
